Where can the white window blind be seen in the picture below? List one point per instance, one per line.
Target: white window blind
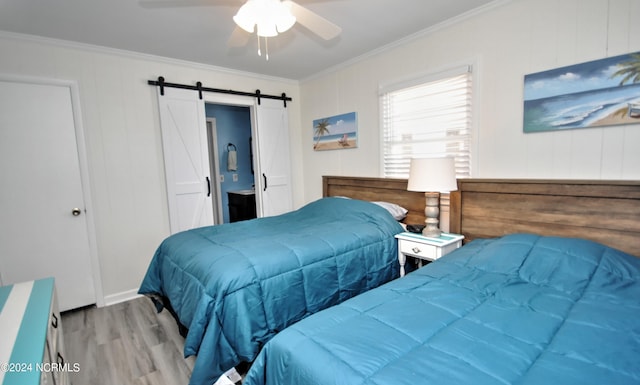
(427, 118)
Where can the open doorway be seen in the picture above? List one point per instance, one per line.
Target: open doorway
(229, 130)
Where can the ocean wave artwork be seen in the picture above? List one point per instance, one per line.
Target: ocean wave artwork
(599, 93)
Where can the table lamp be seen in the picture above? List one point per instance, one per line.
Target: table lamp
(432, 176)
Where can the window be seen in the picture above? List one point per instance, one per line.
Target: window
(430, 116)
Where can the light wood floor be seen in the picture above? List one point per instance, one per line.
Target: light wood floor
(125, 344)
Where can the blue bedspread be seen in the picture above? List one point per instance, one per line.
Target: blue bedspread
(235, 286)
(521, 309)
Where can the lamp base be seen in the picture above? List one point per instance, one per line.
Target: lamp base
(431, 213)
(431, 233)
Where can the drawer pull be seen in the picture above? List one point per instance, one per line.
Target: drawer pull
(416, 250)
(60, 359)
(54, 321)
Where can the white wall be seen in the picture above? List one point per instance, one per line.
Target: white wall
(121, 123)
(503, 43)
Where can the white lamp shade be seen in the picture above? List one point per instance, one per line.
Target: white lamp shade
(267, 29)
(285, 22)
(432, 175)
(246, 17)
(270, 16)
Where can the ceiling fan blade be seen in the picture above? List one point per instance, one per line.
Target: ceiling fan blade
(239, 37)
(314, 22)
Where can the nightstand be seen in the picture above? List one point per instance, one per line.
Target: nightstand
(425, 248)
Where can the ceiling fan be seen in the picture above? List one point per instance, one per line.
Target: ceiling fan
(271, 17)
(268, 18)
(265, 18)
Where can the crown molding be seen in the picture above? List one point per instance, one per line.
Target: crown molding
(409, 39)
(138, 56)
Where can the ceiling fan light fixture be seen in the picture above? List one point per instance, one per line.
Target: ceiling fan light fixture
(267, 29)
(246, 16)
(283, 17)
(270, 16)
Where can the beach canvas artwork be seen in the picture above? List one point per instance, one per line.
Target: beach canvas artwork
(336, 132)
(604, 92)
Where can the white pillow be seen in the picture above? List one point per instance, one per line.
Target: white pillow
(398, 212)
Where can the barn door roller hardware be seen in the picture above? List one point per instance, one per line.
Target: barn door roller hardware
(198, 87)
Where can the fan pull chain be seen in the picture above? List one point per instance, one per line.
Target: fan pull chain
(266, 47)
(259, 52)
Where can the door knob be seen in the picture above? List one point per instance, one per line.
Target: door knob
(76, 211)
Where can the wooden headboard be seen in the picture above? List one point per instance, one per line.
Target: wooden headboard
(604, 211)
(377, 189)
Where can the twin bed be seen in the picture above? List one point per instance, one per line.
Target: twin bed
(235, 286)
(521, 309)
(518, 308)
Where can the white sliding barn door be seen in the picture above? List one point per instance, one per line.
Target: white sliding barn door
(186, 159)
(44, 222)
(186, 156)
(273, 178)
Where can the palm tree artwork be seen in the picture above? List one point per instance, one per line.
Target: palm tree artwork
(630, 70)
(321, 129)
(335, 132)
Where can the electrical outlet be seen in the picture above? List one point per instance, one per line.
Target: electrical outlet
(235, 177)
(221, 178)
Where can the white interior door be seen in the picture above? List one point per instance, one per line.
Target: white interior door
(274, 167)
(186, 159)
(41, 232)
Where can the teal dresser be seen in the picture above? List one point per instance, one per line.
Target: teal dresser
(31, 348)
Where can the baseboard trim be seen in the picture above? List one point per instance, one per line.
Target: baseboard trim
(113, 299)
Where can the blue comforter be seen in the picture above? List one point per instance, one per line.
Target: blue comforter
(235, 286)
(521, 309)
